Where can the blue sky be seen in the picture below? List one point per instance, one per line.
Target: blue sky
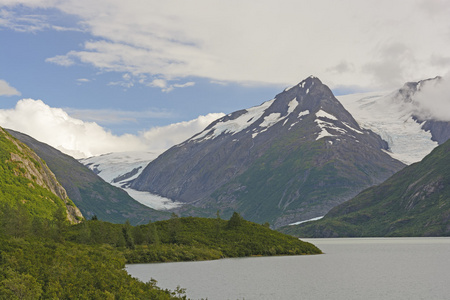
(139, 67)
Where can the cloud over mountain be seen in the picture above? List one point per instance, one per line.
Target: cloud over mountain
(78, 138)
(433, 100)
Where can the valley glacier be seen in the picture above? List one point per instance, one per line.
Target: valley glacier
(112, 167)
(393, 121)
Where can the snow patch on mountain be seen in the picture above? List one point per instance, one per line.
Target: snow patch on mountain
(325, 126)
(292, 105)
(303, 113)
(270, 120)
(324, 114)
(236, 125)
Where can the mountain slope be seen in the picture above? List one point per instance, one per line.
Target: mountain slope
(26, 180)
(291, 158)
(413, 202)
(88, 191)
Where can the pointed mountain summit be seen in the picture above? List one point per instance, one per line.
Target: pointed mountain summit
(290, 159)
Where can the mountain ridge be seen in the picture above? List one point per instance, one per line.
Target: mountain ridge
(413, 202)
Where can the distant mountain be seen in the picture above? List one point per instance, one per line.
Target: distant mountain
(403, 117)
(26, 180)
(292, 158)
(89, 192)
(413, 202)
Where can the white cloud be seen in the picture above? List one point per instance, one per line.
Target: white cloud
(84, 139)
(167, 136)
(271, 42)
(110, 116)
(7, 90)
(62, 60)
(433, 100)
(166, 87)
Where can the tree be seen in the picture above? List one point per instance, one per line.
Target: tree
(19, 286)
(153, 237)
(61, 222)
(174, 228)
(235, 221)
(218, 224)
(129, 243)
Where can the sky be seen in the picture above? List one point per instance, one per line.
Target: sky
(99, 76)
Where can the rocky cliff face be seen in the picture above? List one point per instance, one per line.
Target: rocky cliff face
(289, 159)
(35, 169)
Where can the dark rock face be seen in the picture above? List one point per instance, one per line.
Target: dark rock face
(292, 158)
(440, 130)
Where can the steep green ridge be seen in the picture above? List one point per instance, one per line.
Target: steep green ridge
(413, 202)
(91, 194)
(27, 182)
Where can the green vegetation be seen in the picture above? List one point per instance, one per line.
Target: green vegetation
(17, 187)
(413, 202)
(37, 262)
(44, 258)
(188, 239)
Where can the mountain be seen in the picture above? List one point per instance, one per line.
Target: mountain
(91, 194)
(413, 202)
(26, 180)
(406, 118)
(291, 158)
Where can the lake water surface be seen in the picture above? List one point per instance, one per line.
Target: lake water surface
(360, 268)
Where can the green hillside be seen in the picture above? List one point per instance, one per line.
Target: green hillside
(91, 194)
(413, 202)
(27, 184)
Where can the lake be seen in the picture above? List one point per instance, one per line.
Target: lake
(351, 268)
